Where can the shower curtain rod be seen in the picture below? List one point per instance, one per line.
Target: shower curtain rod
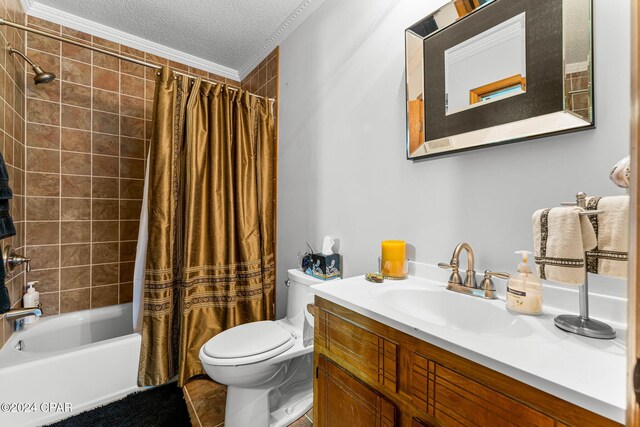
(106, 52)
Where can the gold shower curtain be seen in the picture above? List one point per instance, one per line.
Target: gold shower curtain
(210, 257)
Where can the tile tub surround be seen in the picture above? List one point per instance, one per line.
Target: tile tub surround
(12, 141)
(87, 134)
(263, 80)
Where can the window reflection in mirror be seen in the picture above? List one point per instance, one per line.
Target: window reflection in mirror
(487, 67)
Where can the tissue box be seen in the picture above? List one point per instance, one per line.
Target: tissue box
(325, 267)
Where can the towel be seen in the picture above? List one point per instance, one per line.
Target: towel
(7, 229)
(610, 256)
(561, 237)
(621, 173)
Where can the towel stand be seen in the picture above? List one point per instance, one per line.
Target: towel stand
(582, 324)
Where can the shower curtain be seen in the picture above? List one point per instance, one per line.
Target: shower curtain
(209, 259)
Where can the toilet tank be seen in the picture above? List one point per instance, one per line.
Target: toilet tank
(299, 295)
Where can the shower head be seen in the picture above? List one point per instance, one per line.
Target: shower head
(41, 75)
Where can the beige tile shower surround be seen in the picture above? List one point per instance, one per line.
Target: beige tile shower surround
(12, 140)
(75, 149)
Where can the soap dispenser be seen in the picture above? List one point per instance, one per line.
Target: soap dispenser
(31, 298)
(524, 289)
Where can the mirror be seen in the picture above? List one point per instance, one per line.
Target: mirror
(486, 67)
(489, 72)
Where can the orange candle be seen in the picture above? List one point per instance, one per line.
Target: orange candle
(393, 256)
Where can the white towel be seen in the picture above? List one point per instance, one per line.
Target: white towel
(561, 237)
(610, 257)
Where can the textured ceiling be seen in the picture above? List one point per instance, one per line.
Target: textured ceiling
(227, 32)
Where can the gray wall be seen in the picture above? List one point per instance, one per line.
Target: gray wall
(342, 166)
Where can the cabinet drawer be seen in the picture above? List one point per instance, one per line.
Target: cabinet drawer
(455, 400)
(375, 357)
(460, 401)
(345, 401)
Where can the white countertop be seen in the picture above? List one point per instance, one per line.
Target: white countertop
(590, 373)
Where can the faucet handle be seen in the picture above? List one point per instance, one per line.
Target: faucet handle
(487, 284)
(12, 260)
(455, 277)
(488, 273)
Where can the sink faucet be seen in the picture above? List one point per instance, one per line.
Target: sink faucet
(470, 286)
(18, 314)
(455, 278)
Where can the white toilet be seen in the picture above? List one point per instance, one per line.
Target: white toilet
(266, 365)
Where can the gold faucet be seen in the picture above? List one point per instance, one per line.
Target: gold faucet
(455, 278)
(470, 286)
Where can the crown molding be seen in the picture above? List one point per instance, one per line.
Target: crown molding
(60, 17)
(297, 17)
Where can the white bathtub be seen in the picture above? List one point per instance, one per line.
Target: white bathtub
(68, 363)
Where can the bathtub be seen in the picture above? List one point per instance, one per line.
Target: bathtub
(68, 363)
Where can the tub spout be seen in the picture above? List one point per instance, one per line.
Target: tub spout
(18, 314)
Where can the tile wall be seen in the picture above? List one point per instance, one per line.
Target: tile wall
(12, 113)
(87, 135)
(263, 80)
(577, 89)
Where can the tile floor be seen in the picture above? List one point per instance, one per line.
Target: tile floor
(206, 400)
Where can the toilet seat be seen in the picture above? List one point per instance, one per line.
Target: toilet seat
(248, 343)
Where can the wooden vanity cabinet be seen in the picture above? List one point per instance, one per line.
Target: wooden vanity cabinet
(369, 374)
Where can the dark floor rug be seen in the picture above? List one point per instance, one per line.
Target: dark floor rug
(162, 406)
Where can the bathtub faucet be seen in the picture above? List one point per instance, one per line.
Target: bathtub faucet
(18, 314)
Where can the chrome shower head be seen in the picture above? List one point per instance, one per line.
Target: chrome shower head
(41, 75)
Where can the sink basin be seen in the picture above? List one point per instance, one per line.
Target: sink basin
(438, 306)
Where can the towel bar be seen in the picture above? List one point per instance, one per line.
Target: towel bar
(582, 324)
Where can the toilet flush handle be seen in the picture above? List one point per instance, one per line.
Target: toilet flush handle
(287, 283)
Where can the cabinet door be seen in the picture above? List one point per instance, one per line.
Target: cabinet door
(345, 401)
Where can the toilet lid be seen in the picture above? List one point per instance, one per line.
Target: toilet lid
(249, 339)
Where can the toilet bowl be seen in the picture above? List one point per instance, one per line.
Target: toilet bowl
(266, 365)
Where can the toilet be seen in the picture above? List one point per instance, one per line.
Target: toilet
(266, 365)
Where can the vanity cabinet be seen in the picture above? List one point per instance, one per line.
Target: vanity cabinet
(369, 374)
